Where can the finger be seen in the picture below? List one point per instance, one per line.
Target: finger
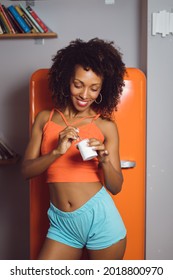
(71, 135)
(76, 129)
(104, 153)
(97, 146)
(94, 142)
(70, 132)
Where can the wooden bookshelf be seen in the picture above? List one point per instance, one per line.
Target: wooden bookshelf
(29, 35)
(30, 20)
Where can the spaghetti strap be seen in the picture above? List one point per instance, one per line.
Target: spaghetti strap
(78, 121)
(95, 117)
(51, 114)
(62, 116)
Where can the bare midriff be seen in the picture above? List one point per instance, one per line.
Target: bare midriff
(68, 197)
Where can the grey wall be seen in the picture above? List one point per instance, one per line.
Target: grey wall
(127, 22)
(159, 140)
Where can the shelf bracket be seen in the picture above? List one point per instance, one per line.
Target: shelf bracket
(39, 41)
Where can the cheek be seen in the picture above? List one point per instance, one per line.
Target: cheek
(96, 95)
(73, 90)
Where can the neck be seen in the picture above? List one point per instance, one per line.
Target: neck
(71, 113)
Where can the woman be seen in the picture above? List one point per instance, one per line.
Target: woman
(86, 81)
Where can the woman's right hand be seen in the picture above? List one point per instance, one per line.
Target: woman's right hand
(66, 137)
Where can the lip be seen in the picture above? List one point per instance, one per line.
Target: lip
(82, 103)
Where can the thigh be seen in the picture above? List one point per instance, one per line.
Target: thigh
(53, 250)
(114, 252)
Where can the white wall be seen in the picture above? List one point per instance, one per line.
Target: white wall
(122, 23)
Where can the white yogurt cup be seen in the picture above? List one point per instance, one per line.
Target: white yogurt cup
(87, 152)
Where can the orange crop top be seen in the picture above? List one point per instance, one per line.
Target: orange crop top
(70, 167)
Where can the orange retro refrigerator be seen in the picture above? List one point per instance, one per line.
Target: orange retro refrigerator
(131, 122)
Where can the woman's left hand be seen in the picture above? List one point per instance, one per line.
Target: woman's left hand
(100, 148)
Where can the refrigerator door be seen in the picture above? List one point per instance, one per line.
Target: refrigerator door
(131, 121)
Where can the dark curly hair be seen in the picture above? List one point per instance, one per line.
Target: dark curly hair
(102, 58)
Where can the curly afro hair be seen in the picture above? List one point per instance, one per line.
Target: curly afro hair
(102, 58)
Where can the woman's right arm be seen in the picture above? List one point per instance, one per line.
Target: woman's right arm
(33, 163)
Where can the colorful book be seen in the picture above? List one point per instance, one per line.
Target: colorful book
(24, 16)
(3, 10)
(16, 25)
(37, 18)
(5, 151)
(11, 20)
(3, 27)
(19, 19)
(5, 24)
(32, 19)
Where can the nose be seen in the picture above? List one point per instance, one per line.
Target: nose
(84, 93)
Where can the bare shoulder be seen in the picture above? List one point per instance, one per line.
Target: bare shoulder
(108, 127)
(41, 118)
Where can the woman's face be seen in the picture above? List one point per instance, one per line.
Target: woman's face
(85, 87)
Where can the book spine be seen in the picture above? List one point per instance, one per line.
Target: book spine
(15, 22)
(5, 23)
(12, 21)
(4, 153)
(34, 28)
(38, 20)
(3, 10)
(32, 19)
(6, 148)
(19, 19)
(2, 25)
(1, 29)
(21, 13)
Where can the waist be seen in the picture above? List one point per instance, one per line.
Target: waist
(70, 196)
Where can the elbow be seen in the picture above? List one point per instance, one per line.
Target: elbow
(24, 172)
(117, 189)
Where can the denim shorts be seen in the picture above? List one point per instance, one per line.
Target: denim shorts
(95, 225)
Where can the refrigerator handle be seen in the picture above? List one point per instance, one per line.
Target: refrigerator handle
(127, 164)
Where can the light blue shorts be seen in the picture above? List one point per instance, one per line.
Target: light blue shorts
(95, 225)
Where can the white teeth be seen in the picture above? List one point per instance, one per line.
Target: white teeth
(82, 102)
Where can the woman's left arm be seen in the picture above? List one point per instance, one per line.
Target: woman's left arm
(108, 156)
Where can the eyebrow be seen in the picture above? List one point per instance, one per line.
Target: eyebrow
(96, 84)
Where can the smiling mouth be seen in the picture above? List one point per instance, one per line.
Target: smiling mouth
(82, 103)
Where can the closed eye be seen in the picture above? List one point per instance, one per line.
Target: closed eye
(78, 85)
(95, 89)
